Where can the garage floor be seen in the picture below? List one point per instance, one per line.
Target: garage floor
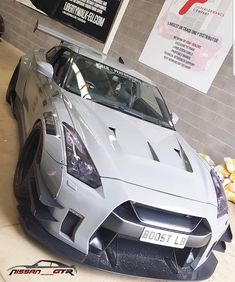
(15, 247)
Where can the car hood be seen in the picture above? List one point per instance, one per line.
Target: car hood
(139, 152)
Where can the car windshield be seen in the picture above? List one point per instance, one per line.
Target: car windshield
(115, 89)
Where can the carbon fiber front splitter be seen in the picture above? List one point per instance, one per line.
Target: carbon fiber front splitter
(120, 257)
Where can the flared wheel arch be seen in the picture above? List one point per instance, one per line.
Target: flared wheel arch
(30, 155)
(11, 93)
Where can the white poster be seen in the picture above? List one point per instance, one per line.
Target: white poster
(190, 40)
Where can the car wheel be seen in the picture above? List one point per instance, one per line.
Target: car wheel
(11, 93)
(30, 155)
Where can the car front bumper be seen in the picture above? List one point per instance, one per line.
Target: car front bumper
(112, 235)
(120, 257)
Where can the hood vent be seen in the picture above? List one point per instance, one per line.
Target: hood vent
(113, 130)
(178, 152)
(184, 157)
(154, 155)
(186, 160)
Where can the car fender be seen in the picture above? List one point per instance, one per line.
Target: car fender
(53, 158)
(24, 65)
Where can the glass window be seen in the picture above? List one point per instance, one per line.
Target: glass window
(60, 63)
(50, 55)
(59, 58)
(116, 89)
(43, 264)
(53, 264)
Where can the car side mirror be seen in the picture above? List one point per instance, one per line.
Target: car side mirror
(45, 69)
(174, 118)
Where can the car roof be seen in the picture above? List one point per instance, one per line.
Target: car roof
(107, 60)
(51, 261)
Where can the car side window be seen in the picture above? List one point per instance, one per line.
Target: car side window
(43, 264)
(51, 54)
(59, 58)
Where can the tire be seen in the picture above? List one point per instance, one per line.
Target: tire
(11, 93)
(30, 155)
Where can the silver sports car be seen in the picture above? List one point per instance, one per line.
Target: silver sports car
(103, 177)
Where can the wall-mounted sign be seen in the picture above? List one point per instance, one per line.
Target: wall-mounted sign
(92, 17)
(190, 40)
(29, 4)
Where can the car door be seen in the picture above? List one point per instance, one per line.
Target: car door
(39, 89)
(34, 93)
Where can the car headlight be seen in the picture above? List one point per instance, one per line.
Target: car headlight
(221, 198)
(79, 162)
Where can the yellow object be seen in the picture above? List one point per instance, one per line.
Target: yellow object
(230, 165)
(230, 187)
(226, 182)
(208, 159)
(222, 169)
(226, 174)
(232, 177)
(230, 196)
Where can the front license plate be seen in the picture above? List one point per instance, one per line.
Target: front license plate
(164, 238)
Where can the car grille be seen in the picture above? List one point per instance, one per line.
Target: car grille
(170, 220)
(128, 220)
(153, 217)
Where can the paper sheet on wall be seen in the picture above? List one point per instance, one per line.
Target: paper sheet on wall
(190, 41)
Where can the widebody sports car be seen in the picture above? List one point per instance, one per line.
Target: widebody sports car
(103, 177)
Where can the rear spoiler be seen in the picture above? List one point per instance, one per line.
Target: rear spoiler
(63, 38)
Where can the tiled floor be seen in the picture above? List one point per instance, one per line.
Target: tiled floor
(15, 247)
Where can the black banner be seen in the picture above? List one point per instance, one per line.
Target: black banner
(92, 17)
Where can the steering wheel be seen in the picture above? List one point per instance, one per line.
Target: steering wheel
(90, 85)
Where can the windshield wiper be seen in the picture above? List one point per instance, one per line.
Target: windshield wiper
(127, 110)
(146, 118)
(119, 108)
(105, 103)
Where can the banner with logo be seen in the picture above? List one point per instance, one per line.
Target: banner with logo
(190, 40)
(92, 17)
